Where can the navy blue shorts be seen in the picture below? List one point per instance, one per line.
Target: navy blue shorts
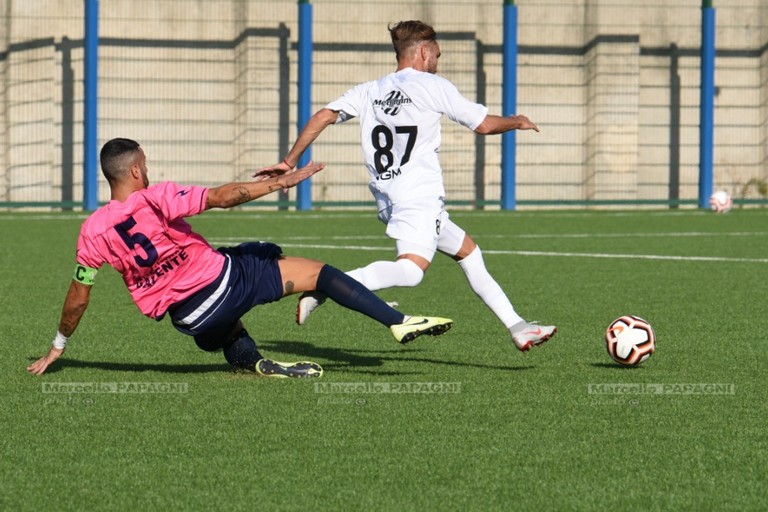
(251, 276)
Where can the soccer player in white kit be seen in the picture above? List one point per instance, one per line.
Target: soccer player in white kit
(400, 132)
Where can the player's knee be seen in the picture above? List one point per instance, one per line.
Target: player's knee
(208, 345)
(473, 257)
(410, 273)
(219, 337)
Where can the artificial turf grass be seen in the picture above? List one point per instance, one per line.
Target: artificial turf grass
(523, 431)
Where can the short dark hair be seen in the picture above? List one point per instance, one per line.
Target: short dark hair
(408, 33)
(117, 156)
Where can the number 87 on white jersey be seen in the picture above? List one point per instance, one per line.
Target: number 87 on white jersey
(400, 129)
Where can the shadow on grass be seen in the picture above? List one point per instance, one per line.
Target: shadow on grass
(614, 366)
(363, 360)
(137, 367)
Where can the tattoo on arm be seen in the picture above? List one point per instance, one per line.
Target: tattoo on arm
(242, 195)
(289, 286)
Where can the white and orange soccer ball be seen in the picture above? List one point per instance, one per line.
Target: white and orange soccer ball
(630, 340)
(721, 202)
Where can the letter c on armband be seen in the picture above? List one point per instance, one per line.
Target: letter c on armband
(85, 275)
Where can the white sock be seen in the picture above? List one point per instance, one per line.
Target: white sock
(488, 289)
(386, 274)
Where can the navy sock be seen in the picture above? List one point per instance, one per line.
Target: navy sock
(351, 294)
(242, 352)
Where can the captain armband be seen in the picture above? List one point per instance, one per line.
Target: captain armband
(85, 275)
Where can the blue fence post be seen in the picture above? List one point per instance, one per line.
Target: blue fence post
(304, 189)
(707, 104)
(509, 105)
(91, 104)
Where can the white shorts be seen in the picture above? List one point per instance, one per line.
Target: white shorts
(421, 228)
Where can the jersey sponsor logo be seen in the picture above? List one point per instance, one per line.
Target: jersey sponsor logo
(393, 102)
(390, 174)
(182, 192)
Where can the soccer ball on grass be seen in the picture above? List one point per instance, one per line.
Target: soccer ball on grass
(630, 340)
(720, 202)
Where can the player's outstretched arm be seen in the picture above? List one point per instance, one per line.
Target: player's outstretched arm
(233, 194)
(78, 297)
(317, 123)
(493, 125)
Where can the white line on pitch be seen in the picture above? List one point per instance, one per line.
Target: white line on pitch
(552, 235)
(628, 256)
(629, 235)
(536, 253)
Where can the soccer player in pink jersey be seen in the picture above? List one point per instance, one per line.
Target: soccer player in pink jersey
(170, 269)
(400, 118)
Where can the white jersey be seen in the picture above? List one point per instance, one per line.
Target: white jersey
(400, 131)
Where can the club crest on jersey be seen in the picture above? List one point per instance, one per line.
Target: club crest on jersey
(392, 102)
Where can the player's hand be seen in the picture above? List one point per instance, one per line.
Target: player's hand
(42, 364)
(291, 179)
(525, 123)
(272, 171)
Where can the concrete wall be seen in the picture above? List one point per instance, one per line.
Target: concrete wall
(209, 89)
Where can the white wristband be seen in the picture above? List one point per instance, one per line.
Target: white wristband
(60, 341)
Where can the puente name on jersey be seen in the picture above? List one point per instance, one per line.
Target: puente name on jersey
(160, 270)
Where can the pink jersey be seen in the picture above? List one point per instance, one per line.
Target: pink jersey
(146, 239)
